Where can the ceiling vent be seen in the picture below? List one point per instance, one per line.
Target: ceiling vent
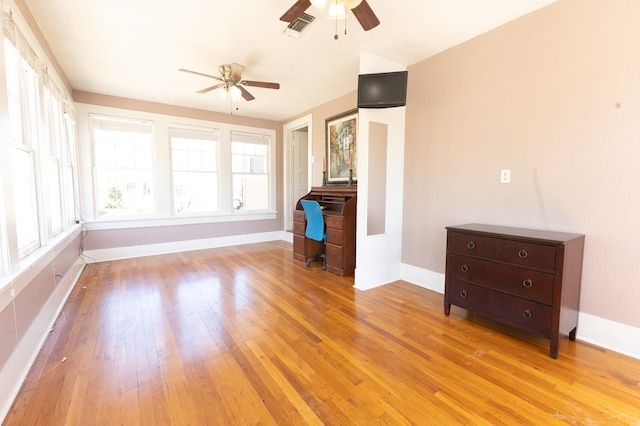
(299, 25)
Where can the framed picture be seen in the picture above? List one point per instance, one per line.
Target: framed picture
(341, 145)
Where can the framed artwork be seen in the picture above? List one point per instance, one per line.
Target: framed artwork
(341, 133)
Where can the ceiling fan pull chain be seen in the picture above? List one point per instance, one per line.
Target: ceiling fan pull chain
(345, 19)
(335, 37)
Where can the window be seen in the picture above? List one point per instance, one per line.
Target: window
(50, 157)
(194, 167)
(165, 167)
(69, 171)
(250, 171)
(38, 197)
(122, 156)
(23, 105)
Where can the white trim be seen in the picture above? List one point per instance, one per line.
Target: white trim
(287, 131)
(116, 253)
(24, 355)
(100, 225)
(422, 277)
(608, 334)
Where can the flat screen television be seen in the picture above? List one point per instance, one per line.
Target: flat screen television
(382, 90)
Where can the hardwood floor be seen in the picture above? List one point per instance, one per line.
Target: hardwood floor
(247, 335)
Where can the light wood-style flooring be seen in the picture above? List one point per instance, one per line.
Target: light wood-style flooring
(247, 335)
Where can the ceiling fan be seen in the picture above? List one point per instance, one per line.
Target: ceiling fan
(231, 82)
(337, 9)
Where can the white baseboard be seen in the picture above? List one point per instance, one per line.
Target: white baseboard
(608, 334)
(422, 277)
(17, 367)
(618, 337)
(103, 255)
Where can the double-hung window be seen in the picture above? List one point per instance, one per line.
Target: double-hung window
(251, 171)
(194, 170)
(50, 157)
(122, 158)
(23, 105)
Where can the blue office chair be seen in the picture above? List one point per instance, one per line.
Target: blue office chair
(315, 229)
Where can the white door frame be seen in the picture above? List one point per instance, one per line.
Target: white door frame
(287, 131)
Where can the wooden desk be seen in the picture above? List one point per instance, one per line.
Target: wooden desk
(339, 210)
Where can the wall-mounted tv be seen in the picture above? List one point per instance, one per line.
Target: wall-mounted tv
(382, 90)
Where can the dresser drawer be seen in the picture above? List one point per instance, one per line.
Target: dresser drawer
(531, 255)
(515, 280)
(468, 296)
(334, 255)
(335, 236)
(335, 222)
(473, 245)
(525, 313)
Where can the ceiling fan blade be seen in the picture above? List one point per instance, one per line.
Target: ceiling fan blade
(245, 94)
(236, 71)
(364, 14)
(264, 84)
(199, 73)
(295, 11)
(208, 89)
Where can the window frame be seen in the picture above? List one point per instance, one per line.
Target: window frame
(210, 135)
(128, 124)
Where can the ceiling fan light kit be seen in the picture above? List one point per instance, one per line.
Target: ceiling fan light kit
(336, 5)
(337, 10)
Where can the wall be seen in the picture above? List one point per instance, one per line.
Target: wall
(555, 97)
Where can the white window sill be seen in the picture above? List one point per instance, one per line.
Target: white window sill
(110, 223)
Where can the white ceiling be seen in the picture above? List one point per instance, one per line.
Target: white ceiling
(133, 48)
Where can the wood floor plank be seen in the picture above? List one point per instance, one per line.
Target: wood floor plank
(248, 335)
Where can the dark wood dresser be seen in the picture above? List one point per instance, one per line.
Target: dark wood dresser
(528, 279)
(339, 210)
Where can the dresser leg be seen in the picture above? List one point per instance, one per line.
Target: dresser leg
(572, 334)
(447, 308)
(553, 349)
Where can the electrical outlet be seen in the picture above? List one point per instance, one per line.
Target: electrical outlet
(505, 176)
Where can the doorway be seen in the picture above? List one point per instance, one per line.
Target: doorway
(297, 164)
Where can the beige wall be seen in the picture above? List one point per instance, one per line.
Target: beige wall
(555, 97)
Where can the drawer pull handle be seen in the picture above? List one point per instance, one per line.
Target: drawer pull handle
(471, 245)
(527, 314)
(333, 235)
(523, 254)
(528, 283)
(464, 268)
(463, 293)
